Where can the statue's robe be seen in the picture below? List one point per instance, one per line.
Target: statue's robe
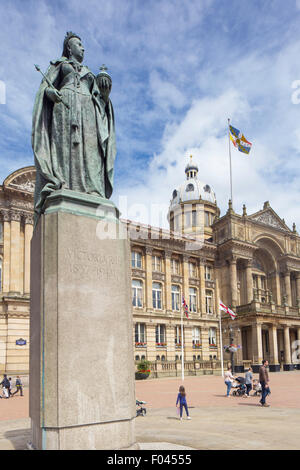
(74, 148)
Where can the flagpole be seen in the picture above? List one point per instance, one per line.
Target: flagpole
(221, 341)
(229, 146)
(182, 349)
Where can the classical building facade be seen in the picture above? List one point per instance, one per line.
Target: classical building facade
(250, 262)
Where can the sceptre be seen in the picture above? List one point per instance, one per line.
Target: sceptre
(50, 85)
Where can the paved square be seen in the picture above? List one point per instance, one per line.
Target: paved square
(217, 422)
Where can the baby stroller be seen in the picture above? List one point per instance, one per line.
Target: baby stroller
(239, 386)
(140, 411)
(256, 388)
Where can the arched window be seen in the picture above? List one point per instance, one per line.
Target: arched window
(137, 293)
(137, 358)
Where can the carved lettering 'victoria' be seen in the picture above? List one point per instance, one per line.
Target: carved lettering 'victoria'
(87, 266)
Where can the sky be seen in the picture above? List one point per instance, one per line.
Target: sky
(180, 69)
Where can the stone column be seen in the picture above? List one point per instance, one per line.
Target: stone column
(249, 281)
(298, 287)
(14, 284)
(185, 272)
(168, 281)
(257, 349)
(202, 286)
(148, 282)
(6, 252)
(273, 348)
(288, 291)
(233, 281)
(28, 236)
(287, 345)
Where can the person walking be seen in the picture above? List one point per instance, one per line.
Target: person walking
(264, 381)
(248, 378)
(181, 399)
(5, 384)
(19, 386)
(229, 378)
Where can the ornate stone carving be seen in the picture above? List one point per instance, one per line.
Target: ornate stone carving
(267, 218)
(15, 216)
(26, 186)
(28, 218)
(158, 276)
(148, 250)
(177, 279)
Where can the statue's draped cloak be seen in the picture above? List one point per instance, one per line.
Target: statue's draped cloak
(73, 148)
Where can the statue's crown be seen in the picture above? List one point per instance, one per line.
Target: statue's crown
(69, 36)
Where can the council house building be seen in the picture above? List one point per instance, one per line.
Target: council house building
(249, 261)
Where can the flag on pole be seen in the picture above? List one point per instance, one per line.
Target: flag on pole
(227, 310)
(239, 140)
(185, 307)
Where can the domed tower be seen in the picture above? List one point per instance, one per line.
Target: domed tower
(193, 207)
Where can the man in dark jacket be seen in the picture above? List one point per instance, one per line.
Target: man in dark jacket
(264, 381)
(5, 384)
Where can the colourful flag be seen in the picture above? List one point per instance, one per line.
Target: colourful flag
(239, 140)
(227, 310)
(185, 307)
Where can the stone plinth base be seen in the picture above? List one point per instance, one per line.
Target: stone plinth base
(81, 351)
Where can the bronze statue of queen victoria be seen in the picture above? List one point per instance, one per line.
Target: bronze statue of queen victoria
(73, 133)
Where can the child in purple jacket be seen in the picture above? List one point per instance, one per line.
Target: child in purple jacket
(181, 399)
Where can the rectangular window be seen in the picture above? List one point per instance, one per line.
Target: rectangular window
(178, 335)
(192, 269)
(137, 293)
(157, 295)
(196, 337)
(212, 338)
(156, 263)
(140, 333)
(175, 298)
(209, 301)
(208, 273)
(193, 299)
(174, 266)
(160, 335)
(136, 259)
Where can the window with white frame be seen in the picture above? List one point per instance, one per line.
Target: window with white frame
(137, 293)
(175, 298)
(160, 335)
(208, 273)
(157, 295)
(140, 333)
(156, 263)
(175, 267)
(192, 269)
(212, 336)
(209, 301)
(193, 299)
(177, 335)
(136, 259)
(196, 337)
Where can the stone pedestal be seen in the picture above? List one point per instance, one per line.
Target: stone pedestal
(82, 392)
